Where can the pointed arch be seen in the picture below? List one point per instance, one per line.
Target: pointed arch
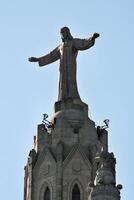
(47, 194)
(76, 190)
(46, 191)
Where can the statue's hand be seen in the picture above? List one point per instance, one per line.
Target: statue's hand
(33, 59)
(95, 35)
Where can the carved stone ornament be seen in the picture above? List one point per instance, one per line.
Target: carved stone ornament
(76, 166)
(104, 177)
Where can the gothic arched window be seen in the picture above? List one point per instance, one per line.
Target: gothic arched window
(75, 193)
(47, 194)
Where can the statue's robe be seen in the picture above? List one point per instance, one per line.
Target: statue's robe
(67, 52)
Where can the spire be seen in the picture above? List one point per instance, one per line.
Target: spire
(104, 186)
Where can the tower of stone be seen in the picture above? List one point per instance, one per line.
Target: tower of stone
(69, 159)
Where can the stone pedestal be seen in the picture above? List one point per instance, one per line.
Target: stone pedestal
(104, 192)
(63, 159)
(71, 103)
(65, 154)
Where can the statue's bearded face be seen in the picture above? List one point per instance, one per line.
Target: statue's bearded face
(64, 33)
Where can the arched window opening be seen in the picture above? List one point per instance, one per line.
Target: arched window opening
(75, 193)
(47, 194)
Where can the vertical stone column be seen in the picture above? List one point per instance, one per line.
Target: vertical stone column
(25, 183)
(28, 179)
(104, 187)
(103, 138)
(41, 137)
(59, 175)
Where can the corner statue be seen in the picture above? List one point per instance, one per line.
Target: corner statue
(67, 52)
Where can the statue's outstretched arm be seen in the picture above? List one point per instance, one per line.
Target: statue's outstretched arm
(83, 44)
(47, 59)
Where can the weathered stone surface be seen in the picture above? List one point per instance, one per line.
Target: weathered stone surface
(104, 187)
(67, 52)
(64, 156)
(104, 192)
(68, 155)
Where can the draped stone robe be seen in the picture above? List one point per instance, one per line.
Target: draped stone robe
(67, 52)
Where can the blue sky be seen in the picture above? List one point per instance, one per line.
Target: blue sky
(105, 78)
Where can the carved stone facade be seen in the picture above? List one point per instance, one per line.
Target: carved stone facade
(70, 152)
(68, 156)
(60, 164)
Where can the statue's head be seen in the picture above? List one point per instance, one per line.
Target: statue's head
(65, 34)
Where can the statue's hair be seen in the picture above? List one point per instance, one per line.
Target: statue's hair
(65, 28)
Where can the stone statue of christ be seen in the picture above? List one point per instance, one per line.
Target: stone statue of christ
(66, 52)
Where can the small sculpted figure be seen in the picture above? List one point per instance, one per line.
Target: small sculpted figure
(105, 175)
